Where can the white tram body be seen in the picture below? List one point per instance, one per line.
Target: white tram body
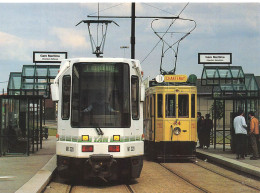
(100, 118)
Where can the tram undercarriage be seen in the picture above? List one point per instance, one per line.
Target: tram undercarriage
(103, 166)
(167, 150)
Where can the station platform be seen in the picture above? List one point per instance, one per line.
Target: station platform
(227, 158)
(30, 174)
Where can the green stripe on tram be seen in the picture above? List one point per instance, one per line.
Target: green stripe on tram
(100, 140)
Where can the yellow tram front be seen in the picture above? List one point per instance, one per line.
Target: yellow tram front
(170, 119)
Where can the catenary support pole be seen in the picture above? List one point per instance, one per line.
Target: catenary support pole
(133, 32)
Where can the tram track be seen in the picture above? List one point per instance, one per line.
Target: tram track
(226, 175)
(66, 188)
(185, 179)
(131, 190)
(168, 177)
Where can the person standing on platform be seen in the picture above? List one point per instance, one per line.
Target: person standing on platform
(199, 130)
(241, 134)
(254, 134)
(208, 126)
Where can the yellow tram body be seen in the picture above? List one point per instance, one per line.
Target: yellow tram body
(170, 121)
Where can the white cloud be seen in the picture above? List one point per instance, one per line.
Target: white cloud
(15, 48)
(71, 38)
(20, 49)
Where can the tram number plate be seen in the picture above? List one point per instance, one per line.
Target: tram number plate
(132, 148)
(70, 149)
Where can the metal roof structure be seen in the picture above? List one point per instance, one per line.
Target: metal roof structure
(248, 90)
(33, 80)
(14, 83)
(230, 82)
(217, 75)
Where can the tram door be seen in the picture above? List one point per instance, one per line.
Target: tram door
(152, 109)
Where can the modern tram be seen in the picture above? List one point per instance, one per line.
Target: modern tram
(170, 118)
(100, 118)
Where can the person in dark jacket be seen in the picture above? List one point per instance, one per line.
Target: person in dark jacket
(254, 134)
(199, 130)
(208, 126)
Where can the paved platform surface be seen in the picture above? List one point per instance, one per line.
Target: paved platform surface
(229, 159)
(19, 172)
(29, 174)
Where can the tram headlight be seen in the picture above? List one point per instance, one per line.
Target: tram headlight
(116, 137)
(177, 131)
(85, 137)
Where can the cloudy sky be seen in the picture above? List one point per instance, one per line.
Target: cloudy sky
(221, 28)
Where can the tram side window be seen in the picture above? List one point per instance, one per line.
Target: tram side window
(183, 104)
(193, 106)
(147, 107)
(135, 97)
(66, 82)
(170, 104)
(160, 105)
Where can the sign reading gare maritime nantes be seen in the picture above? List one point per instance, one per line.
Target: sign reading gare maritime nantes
(49, 57)
(215, 58)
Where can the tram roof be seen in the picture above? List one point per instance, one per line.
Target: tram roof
(68, 62)
(73, 60)
(171, 87)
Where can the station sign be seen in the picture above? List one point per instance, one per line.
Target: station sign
(175, 78)
(49, 57)
(215, 58)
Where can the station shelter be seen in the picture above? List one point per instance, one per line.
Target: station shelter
(23, 109)
(231, 90)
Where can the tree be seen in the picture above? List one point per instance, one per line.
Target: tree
(219, 109)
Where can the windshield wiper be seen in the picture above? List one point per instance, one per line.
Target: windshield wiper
(99, 131)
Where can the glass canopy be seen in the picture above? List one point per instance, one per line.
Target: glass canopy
(14, 83)
(248, 90)
(229, 82)
(33, 80)
(216, 75)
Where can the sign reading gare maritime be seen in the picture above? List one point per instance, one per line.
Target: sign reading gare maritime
(49, 57)
(215, 58)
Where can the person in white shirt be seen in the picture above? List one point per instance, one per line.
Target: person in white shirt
(241, 134)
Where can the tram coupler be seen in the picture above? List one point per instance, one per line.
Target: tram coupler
(101, 166)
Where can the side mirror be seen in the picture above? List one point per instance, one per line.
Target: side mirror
(142, 97)
(55, 92)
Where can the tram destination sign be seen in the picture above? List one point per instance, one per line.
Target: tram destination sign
(49, 57)
(175, 78)
(215, 58)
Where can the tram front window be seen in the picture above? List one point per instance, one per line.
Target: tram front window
(100, 95)
(170, 106)
(183, 104)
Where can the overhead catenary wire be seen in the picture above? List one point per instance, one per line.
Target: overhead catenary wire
(178, 43)
(158, 8)
(106, 9)
(98, 46)
(164, 34)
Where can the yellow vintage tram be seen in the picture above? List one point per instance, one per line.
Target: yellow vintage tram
(170, 118)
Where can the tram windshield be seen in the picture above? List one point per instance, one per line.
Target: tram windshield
(100, 95)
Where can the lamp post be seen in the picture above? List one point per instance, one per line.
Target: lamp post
(124, 47)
